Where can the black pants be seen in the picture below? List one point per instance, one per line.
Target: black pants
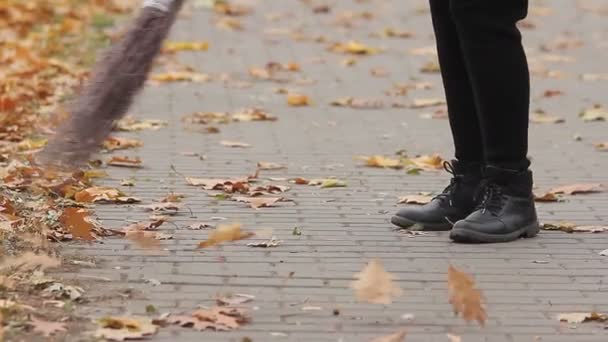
(486, 78)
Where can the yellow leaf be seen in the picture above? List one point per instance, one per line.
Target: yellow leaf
(382, 162)
(171, 47)
(464, 297)
(354, 48)
(298, 100)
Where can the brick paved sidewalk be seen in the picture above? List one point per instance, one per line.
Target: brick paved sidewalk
(527, 283)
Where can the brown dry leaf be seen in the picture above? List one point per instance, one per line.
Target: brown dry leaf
(143, 239)
(180, 76)
(171, 47)
(173, 198)
(596, 113)
(427, 162)
(116, 143)
(300, 181)
(396, 33)
(582, 188)
(271, 166)
(207, 118)
(582, 317)
(357, 103)
(547, 197)
(230, 9)
(29, 261)
(76, 220)
(162, 207)
(602, 146)
(464, 297)
(541, 117)
(219, 318)
(252, 114)
(354, 48)
(125, 328)
(298, 100)
(381, 162)
(228, 185)
(431, 67)
(259, 202)
(130, 124)
(399, 336)
(46, 328)
(415, 199)
(230, 143)
(124, 161)
(375, 285)
(234, 299)
(570, 227)
(98, 194)
(424, 103)
(225, 233)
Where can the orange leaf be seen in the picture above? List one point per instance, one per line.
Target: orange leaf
(76, 221)
(225, 233)
(464, 297)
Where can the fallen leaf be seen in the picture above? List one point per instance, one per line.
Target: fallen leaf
(270, 166)
(582, 317)
(541, 117)
(229, 143)
(427, 162)
(116, 143)
(100, 194)
(180, 76)
(125, 162)
(354, 48)
(234, 299)
(454, 338)
(355, 103)
(431, 67)
(162, 207)
(252, 114)
(375, 285)
(596, 113)
(227, 185)
(259, 202)
(125, 328)
(424, 103)
(328, 183)
(219, 318)
(76, 220)
(594, 77)
(130, 124)
(396, 33)
(399, 336)
(171, 47)
(570, 227)
(582, 188)
(201, 226)
(464, 297)
(547, 197)
(273, 242)
(602, 146)
(225, 233)
(381, 162)
(298, 100)
(415, 199)
(46, 328)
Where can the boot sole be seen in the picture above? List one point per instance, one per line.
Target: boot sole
(404, 223)
(470, 236)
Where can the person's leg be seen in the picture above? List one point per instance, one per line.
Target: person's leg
(498, 71)
(462, 112)
(457, 200)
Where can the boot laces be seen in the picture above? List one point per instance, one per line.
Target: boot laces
(448, 192)
(492, 199)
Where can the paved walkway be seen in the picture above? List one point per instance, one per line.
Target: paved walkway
(527, 283)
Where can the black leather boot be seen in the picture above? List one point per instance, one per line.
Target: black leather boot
(505, 212)
(453, 204)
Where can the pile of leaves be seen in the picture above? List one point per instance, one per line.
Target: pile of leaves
(45, 51)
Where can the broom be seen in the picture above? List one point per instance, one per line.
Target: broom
(114, 83)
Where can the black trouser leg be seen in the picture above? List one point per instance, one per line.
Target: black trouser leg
(498, 72)
(463, 115)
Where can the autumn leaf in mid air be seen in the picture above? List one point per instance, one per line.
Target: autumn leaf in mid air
(225, 233)
(76, 220)
(464, 297)
(375, 285)
(354, 48)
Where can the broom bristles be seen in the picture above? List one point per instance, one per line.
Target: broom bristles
(109, 93)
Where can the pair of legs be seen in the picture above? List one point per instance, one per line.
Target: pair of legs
(487, 86)
(486, 79)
